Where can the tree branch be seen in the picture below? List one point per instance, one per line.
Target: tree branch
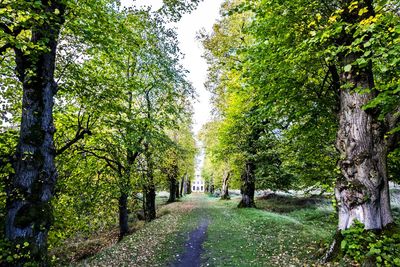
(6, 29)
(16, 30)
(80, 134)
(109, 161)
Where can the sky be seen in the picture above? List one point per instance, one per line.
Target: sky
(202, 18)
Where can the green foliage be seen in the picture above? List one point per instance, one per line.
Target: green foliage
(120, 86)
(394, 165)
(122, 92)
(12, 254)
(383, 249)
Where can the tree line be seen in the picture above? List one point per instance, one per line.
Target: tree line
(306, 96)
(95, 118)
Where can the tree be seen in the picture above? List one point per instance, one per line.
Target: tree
(31, 187)
(30, 34)
(247, 135)
(345, 39)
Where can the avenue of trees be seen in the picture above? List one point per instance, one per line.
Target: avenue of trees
(94, 103)
(96, 113)
(306, 96)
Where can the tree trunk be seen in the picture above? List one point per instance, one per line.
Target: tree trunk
(362, 192)
(189, 187)
(149, 203)
(172, 190)
(182, 186)
(185, 185)
(177, 192)
(149, 191)
(29, 212)
(123, 215)
(211, 186)
(248, 186)
(225, 186)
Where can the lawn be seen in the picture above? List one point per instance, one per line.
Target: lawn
(277, 233)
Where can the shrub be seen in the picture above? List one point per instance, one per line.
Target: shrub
(381, 248)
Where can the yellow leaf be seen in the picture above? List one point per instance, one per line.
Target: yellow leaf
(363, 11)
(332, 19)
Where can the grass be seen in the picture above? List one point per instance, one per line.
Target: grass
(257, 237)
(157, 243)
(282, 231)
(82, 246)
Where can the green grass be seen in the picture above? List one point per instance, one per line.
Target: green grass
(235, 237)
(157, 243)
(282, 231)
(255, 237)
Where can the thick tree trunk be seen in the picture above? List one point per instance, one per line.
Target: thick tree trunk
(149, 203)
(248, 186)
(29, 212)
(123, 215)
(225, 185)
(362, 192)
(172, 189)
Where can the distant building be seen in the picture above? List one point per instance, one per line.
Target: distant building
(198, 184)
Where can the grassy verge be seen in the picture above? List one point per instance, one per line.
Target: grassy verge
(157, 243)
(282, 231)
(257, 237)
(85, 245)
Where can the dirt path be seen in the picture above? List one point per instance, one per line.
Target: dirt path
(191, 257)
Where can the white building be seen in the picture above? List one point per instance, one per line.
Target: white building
(198, 184)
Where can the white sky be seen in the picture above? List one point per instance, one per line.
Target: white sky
(203, 17)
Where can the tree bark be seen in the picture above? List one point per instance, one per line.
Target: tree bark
(123, 215)
(210, 185)
(149, 203)
(186, 185)
(248, 186)
(362, 192)
(182, 186)
(177, 192)
(172, 189)
(29, 212)
(149, 191)
(225, 185)
(189, 186)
